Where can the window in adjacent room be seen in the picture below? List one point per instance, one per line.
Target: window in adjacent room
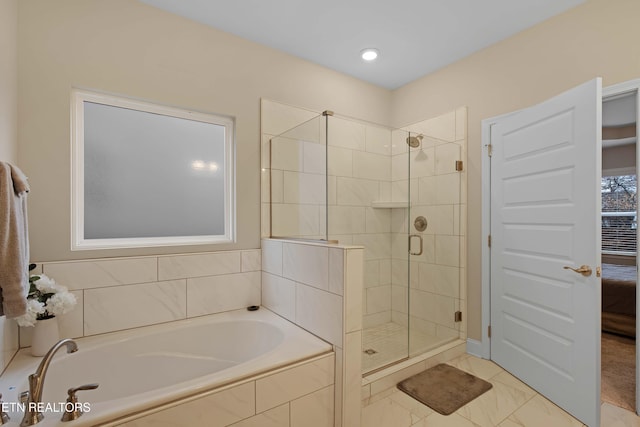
(149, 175)
(619, 214)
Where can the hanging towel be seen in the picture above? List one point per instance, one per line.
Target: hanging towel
(14, 241)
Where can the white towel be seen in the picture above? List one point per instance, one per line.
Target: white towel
(14, 241)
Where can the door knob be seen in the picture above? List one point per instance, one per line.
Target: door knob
(585, 270)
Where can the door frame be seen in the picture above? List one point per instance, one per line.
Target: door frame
(483, 348)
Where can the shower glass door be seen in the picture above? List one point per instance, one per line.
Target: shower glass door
(434, 219)
(413, 309)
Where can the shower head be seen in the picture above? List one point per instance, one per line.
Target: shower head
(414, 141)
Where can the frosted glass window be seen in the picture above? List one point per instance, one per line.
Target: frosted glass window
(149, 175)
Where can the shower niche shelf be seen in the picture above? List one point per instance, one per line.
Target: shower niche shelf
(390, 205)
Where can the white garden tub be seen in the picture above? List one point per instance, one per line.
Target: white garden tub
(147, 367)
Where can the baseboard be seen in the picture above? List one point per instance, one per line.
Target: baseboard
(474, 347)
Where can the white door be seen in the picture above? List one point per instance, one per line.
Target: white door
(545, 217)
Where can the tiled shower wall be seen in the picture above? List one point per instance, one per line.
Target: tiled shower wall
(275, 119)
(359, 173)
(438, 192)
(369, 163)
(122, 293)
(298, 181)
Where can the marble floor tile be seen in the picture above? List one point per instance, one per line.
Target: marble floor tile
(379, 396)
(481, 368)
(509, 423)
(492, 407)
(541, 412)
(510, 403)
(387, 413)
(506, 378)
(438, 420)
(612, 416)
(415, 407)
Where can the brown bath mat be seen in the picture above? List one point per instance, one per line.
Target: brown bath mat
(444, 388)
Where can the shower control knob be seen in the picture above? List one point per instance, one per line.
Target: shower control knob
(420, 223)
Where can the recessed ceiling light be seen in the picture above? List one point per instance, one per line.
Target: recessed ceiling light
(369, 54)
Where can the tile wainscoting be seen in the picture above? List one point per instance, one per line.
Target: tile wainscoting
(123, 293)
(9, 341)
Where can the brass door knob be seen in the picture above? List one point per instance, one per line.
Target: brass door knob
(585, 270)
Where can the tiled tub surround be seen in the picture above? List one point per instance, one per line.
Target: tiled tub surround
(255, 366)
(319, 287)
(122, 293)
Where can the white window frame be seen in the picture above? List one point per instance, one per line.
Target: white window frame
(78, 241)
(619, 172)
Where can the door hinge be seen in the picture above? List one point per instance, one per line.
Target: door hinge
(457, 316)
(489, 331)
(489, 240)
(490, 150)
(459, 165)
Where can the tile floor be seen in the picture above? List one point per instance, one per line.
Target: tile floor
(389, 340)
(510, 403)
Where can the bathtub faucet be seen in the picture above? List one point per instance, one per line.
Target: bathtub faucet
(33, 397)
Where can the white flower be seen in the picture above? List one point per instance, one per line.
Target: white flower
(47, 285)
(46, 299)
(34, 307)
(61, 303)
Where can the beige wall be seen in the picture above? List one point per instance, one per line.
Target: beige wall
(129, 48)
(598, 38)
(8, 133)
(9, 81)
(623, 156)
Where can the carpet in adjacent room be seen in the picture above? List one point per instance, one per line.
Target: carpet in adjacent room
(618, 371)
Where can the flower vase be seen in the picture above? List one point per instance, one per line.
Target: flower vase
(45, 335)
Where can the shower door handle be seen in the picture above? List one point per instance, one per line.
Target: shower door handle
(420, 239)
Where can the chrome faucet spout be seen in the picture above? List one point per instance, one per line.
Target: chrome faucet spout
(36, 383)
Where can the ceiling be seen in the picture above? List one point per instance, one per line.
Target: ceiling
(414, 37)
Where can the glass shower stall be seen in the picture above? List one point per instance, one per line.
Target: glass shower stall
(399, 193)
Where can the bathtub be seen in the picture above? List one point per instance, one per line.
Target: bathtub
(156, 365)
